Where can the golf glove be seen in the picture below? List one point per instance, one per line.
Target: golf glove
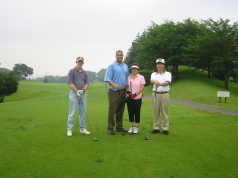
(79, 92)
(128, 92)
(132, 96)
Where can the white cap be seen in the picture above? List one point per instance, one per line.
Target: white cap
(160, 61)
(134, 66)
(80, 58)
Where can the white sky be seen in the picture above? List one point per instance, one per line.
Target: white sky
(48, 35)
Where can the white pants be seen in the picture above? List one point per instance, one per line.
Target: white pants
(161, 105)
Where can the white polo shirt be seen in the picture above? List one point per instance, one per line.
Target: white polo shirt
(165, 76)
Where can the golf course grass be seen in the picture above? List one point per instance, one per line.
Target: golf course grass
(201, 143)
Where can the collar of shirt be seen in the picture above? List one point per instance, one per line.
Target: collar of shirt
(159, 73)
(79, 70)
(134, 76)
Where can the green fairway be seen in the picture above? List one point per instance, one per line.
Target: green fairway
(200, 144)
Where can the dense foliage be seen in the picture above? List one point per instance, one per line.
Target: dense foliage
(207, 44)
(8, 84)
(22, 71)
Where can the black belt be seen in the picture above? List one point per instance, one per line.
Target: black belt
(160, 92)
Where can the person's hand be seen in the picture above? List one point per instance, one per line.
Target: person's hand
(117, 86)
(132, 96)
(79, 92)
(129, 92)
(157, 84)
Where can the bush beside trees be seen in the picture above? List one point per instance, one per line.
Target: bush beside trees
(8, 84)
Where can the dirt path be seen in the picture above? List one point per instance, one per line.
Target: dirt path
(201, 106)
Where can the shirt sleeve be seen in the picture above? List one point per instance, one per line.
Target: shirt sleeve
(143, 80)
(70, 78)
(152, 77)
(108, 74)
(128, 82)
(86, 78)
(168, 77)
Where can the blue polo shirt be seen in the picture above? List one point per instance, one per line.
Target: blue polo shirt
(117, 73)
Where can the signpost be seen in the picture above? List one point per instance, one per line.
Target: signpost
(223, 94)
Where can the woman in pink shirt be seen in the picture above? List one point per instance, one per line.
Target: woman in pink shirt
(135, 86)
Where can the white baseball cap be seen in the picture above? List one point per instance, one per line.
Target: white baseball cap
(80, 58)
(160, 61)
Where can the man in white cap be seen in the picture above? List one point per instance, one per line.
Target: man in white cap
(78, 83)
(161, 80)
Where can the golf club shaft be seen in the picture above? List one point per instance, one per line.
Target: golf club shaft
(80, 99)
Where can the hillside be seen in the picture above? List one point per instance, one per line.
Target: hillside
(193, 85)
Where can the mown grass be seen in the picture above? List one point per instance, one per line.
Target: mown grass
(193, 85)
(34, 142)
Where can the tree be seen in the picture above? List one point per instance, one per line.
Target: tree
(162, 41)
(91, 76)
(101, 74)
(216, 48)
(5, 70)
(8, 85)
(22, 71)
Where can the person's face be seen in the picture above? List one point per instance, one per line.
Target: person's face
(79, 64)
(134, 71)
(119, 57)
(160, 66)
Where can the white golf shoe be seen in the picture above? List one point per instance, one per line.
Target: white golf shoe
(84, 131)
(69, 133)
(130, 130)
(136, 130)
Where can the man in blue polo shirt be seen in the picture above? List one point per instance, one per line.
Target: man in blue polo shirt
(116, 77)
(78, 83)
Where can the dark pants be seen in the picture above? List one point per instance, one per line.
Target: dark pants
(133, 107)
(116, 100)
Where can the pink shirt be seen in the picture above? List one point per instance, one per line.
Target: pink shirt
(135, 84)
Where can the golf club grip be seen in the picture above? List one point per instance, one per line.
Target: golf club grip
(130, 87)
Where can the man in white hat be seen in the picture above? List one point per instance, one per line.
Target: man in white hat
(161, 80)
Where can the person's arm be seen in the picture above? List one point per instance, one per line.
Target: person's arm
(114, 85)
(155, 82)
(140, 90)
(85, 87)
(72, 87)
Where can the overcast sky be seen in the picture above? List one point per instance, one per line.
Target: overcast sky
(48, 35)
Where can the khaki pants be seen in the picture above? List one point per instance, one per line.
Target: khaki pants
(161, 105)
(116, 100)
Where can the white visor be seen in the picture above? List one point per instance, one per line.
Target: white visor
(134, 67)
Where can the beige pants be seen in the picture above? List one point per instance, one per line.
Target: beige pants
(161, 105)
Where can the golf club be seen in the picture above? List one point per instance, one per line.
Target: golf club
(148, 137)
(94, 138)
(131, 109)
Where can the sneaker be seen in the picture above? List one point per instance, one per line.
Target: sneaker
(121, 130)
(155, 131)
(84, 131)
(135, 131)
(166, 132)
(130, 130)
(111, 132)
(69, 133)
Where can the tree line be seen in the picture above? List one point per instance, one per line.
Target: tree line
(92, 77)
(206, 44)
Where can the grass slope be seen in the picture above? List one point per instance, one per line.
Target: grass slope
(34, 142)
(194, 86)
